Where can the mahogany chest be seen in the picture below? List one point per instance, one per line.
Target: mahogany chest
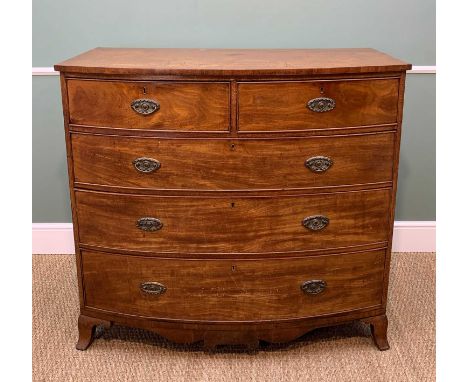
(232, 196)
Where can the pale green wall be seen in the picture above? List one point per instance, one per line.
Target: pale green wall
(405, 29)
(63, 28)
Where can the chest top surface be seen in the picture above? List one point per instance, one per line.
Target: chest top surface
(231, 62)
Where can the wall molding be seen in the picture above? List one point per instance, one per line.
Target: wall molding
(44, 71)
(423, 70)
(408, 236)
(49, 71)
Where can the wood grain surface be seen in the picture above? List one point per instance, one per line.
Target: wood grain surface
(231, 290)
(283, 105)
(232, 164)
(192, 106)
(232, 224)
(226, 62)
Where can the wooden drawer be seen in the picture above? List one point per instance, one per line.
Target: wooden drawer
(193, 106)
(232, 290)
(284, 105)
(232, 164)
(232, 224)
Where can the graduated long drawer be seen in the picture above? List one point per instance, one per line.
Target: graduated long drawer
(236, 164)
(233, 290)
(158, 224)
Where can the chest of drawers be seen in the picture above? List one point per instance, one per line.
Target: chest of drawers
(232, 196)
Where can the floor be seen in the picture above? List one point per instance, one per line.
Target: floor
(343, 353)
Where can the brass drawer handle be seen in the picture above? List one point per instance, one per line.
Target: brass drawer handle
(146, 165)
(152, 287)
(316, 222)
(149, 224)
(318, 163)
(145, 106)
(321, 104)
(313, 286)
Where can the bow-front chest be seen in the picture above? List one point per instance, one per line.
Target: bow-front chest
(232, 196)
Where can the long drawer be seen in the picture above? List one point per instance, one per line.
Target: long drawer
(232, 224)
(230, 290)
(185, 106)
(296, 105)
(218, 164)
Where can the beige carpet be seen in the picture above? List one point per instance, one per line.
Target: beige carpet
(344, 353)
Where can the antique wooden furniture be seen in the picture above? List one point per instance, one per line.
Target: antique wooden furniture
(232, 196)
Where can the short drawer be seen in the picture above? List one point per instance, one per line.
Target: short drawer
(232, 290)
(176, 224)
(215, 164)
(317, 104)
(193, 106)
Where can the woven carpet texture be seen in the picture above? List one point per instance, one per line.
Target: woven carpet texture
(341, 353)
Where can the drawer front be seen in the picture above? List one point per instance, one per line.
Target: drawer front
(230, 225)
(317, 104)
(150, 105)
(232, 164)
(231, 290)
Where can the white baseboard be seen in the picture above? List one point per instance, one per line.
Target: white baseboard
(414, 236)
(52, 238)
(408, 236)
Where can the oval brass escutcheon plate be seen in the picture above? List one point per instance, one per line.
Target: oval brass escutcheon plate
(321, 104)
(313, 286)
(316, 222)
(318, 163)
(153, 287)
(146, 165)
(149, 224)
(145, 106)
